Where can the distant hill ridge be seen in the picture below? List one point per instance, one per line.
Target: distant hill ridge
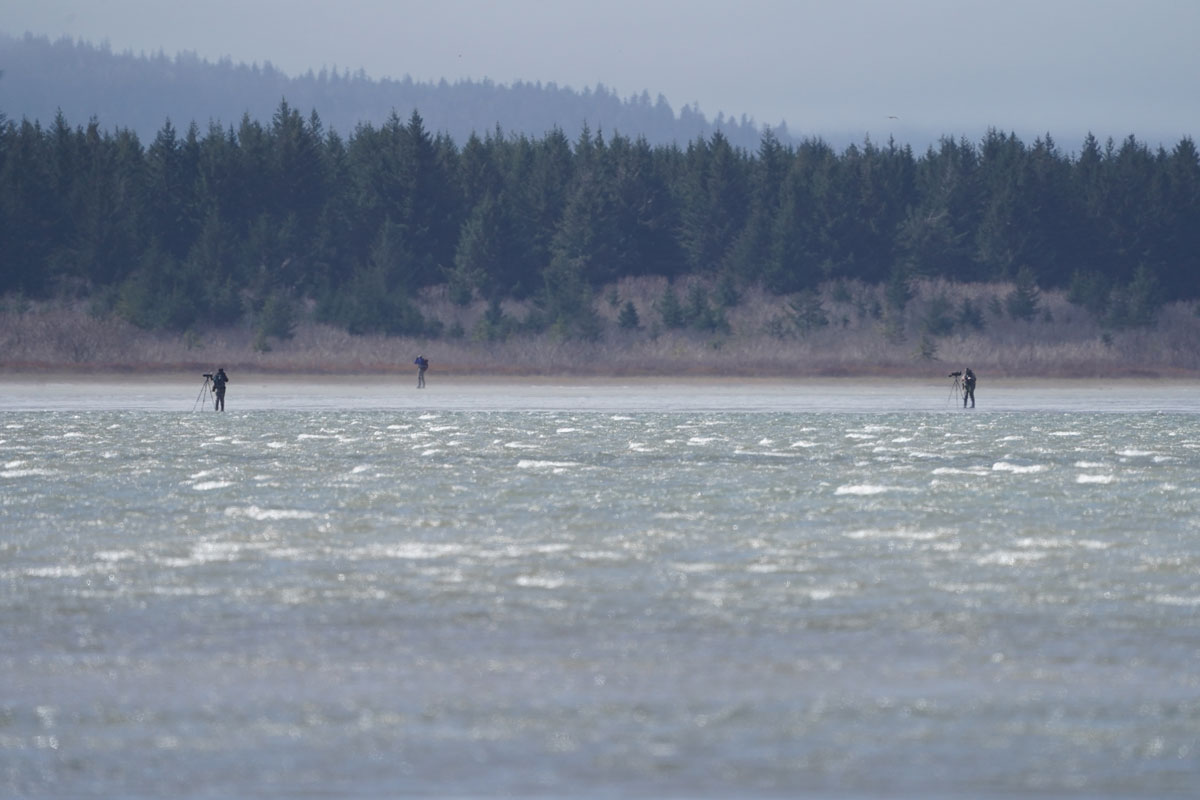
(141, 92)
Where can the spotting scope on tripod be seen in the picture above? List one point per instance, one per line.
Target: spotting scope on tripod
(207, 385)
(956, 388)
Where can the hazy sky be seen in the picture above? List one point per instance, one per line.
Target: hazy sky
(955, 66)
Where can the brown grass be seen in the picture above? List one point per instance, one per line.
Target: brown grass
(862, 338)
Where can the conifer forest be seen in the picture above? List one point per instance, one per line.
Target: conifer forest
(271, 220)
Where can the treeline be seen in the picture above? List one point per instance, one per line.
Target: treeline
(41, 77)
(264, 222)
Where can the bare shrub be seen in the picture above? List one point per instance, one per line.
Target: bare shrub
(862, 336)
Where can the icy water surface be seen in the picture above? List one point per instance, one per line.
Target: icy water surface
(601, 601)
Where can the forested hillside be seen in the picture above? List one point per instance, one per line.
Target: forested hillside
(266, 221)
(141, 92)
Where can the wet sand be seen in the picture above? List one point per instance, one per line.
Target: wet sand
(266, 392)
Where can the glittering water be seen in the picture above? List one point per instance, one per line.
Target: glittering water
(382, 602)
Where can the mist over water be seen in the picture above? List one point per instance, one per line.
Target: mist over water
(596, 599)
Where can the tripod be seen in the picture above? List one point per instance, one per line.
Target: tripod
(206, 385)
(956, 388)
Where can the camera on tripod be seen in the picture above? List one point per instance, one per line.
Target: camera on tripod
(209, 375)
(955, 375)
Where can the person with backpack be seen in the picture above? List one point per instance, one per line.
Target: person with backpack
(422, 364)
(218, 386)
